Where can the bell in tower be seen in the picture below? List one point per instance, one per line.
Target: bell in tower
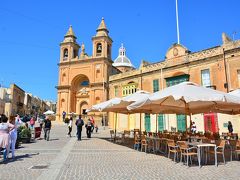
(69, 46)
(102, 43)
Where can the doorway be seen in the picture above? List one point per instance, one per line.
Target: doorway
(211, 122)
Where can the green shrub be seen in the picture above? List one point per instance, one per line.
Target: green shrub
(25, 133)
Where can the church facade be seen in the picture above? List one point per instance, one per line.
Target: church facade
(83, 80)
(87, 80)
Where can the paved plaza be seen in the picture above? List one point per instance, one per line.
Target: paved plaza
(96, 158)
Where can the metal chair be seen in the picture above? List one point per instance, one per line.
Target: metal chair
(187, 151)
(144, 143)
(173, 148)
(220, 148)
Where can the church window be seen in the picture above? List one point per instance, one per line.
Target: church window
(85, 83)
(65, 53)
(99, 48)
(75, 53)
(109, 51)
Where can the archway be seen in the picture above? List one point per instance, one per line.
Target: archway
(79, 93)
(83, 107)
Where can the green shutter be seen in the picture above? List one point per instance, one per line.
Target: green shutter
(155, 85)
(160, 122)
(176, 80)
(147, 123)
(181, 119)
(181, 122)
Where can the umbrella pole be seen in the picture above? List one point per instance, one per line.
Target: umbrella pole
(115, 128)
(156, 123)
(190, 121)
(128, 121)
(140, 125)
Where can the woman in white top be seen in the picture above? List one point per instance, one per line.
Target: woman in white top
(13, 134)
(70, 126)
(4, 135)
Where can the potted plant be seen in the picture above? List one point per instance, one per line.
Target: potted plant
(24, 134)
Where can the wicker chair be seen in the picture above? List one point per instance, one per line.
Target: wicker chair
(111, 135)
(173, 148)
(144, 143)
(237, 151)
(187, 151)
(137, 142)
(220, 149)
(233, 147)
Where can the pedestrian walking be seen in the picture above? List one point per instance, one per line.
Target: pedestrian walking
(32, 123)
(79, 124)
(5, 128)
(13, 134)
(70, 126)
(230, 127)
(96, 128)
(88, 127)
(47, 128)
(64, 115)
(92, 123)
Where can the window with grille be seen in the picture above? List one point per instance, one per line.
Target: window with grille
(128, 89)
(205, 75)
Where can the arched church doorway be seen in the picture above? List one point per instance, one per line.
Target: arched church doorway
(83, 107)
(80, 94)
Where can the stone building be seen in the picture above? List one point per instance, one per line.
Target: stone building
(14, 100)
(217, 67)
(87, 80)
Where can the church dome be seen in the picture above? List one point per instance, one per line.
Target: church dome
(122, 60)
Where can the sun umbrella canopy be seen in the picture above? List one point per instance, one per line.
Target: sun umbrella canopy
(235, 92)
(49, 112)
(106, 104)
(119, 104)
(187, 98)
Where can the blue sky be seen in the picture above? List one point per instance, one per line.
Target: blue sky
(30, 33)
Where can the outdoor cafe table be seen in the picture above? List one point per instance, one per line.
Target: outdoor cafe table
(200, 146)
(157, 142)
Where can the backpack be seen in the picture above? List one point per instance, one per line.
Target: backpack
(80, 122)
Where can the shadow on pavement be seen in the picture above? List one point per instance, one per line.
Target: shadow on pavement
(19, 158)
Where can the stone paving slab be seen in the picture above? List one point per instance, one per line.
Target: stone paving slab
(97, 158)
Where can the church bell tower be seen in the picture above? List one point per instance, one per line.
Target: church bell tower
(102, 43)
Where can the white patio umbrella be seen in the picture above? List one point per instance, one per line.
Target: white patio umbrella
(235, 92)
(49, 112)
(119, 105)
(188, 98)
